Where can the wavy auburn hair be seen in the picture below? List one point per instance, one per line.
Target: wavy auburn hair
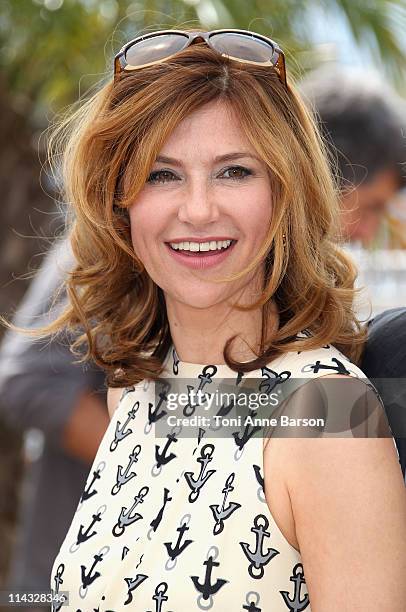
(114, 310)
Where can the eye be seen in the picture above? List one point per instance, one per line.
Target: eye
(161, 176)
(237, 172)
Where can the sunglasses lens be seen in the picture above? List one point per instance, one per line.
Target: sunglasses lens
(154, 48)
(242, 46)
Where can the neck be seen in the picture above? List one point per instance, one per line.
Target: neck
(199, 336)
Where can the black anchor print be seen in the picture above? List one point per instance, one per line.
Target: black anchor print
(248, 432)
(207, 588)
(296, 603)
(88, 492)
(124, 552)
(257, 558)
(206, 453)
(222, 513)
(88, 577)
(155, 522)
(175, 362)
(132, 584)
(161, 457)
(199, 438)
(251, 605)
(205, 378)
(123, 474)
(122, 431)
(174, 551)
(316, 367)
(258, 476)
(128, 517)
(155, 415)
(84, 534)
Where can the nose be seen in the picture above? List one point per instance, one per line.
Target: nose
(199, 206)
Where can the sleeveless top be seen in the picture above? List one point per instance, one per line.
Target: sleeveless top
(181, 524)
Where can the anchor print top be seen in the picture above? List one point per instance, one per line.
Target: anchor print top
(181, 524)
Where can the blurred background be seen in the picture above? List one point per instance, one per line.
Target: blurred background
(55, 51)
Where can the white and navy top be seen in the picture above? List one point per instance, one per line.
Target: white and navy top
(178, 524)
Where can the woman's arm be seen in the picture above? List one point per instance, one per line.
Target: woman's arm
(349, 506)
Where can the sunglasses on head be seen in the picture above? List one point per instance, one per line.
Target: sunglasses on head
(240, 45)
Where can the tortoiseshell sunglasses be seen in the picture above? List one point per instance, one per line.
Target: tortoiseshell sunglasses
(240, 45)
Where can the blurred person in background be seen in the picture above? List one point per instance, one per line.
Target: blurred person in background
(363, 121)
(41, 388)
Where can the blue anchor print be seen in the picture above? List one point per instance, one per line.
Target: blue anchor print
(257, 558)
(296, 603)
(132, 584)
(124, 475)
(272, 379)
(122, 431)
(206, 454)
(57, 605)
(223, 513)
(160, 596)
(127, 517)
(207, 588)
(205, 378)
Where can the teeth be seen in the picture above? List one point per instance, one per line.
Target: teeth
(213, 245)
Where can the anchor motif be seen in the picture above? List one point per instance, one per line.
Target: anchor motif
(252, 606)
(206, 453)
(296, 604)
(272, 379)
(155, 522)
(256, 557)
(89, 577)
(161, 457)
(174, 551)
(258, 476)
(160, 596)
(124, 475)
(88, 493)
(207, 589)
(124, 552)
(57, 605)
(175, 362)
(127, 517)
(205, 378)
(248, 432)
(124, 431)
(316, 367)
(220, 515)
(132, 584)
(199, 438)
(155, 415)
(84, 535)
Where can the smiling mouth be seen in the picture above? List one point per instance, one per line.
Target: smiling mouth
(193, 249)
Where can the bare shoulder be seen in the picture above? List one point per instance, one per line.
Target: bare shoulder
(113, 397)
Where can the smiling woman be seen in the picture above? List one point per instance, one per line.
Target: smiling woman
(203, 227)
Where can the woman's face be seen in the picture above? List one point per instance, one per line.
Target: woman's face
(205, 209)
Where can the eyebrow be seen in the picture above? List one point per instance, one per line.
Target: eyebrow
(219, 158)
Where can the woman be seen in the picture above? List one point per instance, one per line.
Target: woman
(203, 229)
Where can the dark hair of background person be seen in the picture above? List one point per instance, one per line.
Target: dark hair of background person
(362, 120)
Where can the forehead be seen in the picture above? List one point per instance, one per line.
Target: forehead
(215, 128)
